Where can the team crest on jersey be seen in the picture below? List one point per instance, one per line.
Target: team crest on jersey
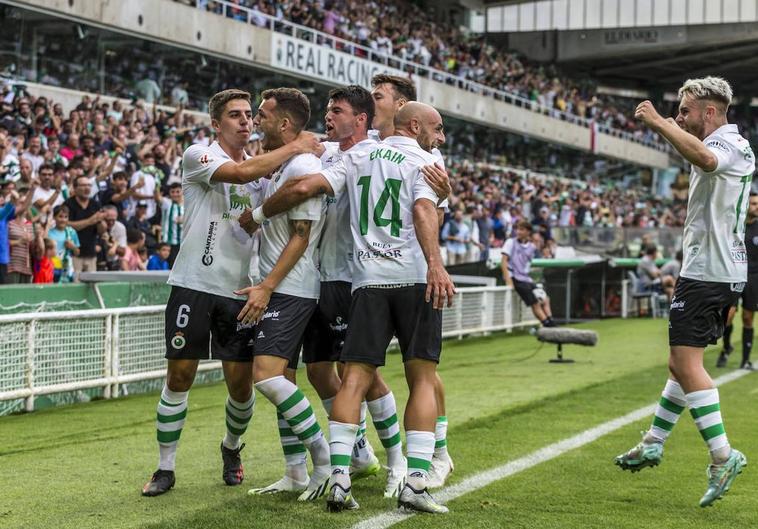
(178, 341)
(239, 198)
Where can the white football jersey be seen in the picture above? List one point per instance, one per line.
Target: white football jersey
(714, 230)
(336, 246)
(215, 252)
(303, 280)
(382, 183)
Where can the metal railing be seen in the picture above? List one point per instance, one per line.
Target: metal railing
(56, 352)
(263, 20)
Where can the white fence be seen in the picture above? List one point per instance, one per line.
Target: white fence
(56, 352)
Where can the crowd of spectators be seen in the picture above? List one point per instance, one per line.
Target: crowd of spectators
(98, 188)
(404, 30)
(490, 200)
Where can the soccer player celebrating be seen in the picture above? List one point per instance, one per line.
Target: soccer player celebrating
(397, 270)
(750, 294)
(390, 94)
(713, 273)
(202, 307)
(285, 300)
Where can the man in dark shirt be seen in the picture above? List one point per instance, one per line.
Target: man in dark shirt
(86, 217)
(749, 294)
(118, 194)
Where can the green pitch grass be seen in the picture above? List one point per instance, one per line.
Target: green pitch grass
(83, 466)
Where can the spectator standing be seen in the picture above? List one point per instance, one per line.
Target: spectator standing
(116, 240)
(148, 90)
(9, 168)
(141, 223)
(26, 175)
(20, 237)
(48, 194)
(484, 223)
(179, 95)
(44, 268)
(71, 150)
(149, 176)
(66, 242)
(7, 213)
(172, 220)
(86, 218)
(456, 235)
(120, 195)
(34, 153)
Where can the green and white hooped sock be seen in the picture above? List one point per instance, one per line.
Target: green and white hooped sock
(294, 450)
(705, 408)
(341, 442)
(238, 415)
(384, 415)
(670, 407)
(172, 412)
(420, 446)
(440, 437)
(297, 411)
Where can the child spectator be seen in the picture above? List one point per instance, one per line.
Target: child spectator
(159, 260)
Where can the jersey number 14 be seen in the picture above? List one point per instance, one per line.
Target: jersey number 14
(390, 194)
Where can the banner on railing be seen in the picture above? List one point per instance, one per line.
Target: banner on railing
(323, 63)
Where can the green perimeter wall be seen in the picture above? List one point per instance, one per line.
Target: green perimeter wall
(45, 298)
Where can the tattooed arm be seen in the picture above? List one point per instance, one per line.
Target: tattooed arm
(259, 295)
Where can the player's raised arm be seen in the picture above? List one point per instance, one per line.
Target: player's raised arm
(691, 148)
(297, 190)
(438, 284)
(263, 164)
(294, 192)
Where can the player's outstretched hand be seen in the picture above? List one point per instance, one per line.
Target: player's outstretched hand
(647, 114)
(247, 223)
(257, 301)
(307, 142)
(438, 180)
(439, 287)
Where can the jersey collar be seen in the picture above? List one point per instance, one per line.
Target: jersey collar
(402, 140)
(729, 127)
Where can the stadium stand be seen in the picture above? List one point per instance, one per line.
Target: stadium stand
(405, 31)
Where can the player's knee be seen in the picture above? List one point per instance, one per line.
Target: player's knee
(747, 319)
(357, 381)
(378, 389)
(180, 379)
(263, 370)
(323, 378)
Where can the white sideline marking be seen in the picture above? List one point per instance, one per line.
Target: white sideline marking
(482, 479)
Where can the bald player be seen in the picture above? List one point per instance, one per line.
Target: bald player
(390, 94)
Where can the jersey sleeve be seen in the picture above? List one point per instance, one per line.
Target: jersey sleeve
(336, 175)
(724, 152)
(199, 163)
(507, 247)
(421, 189)
(311, 208)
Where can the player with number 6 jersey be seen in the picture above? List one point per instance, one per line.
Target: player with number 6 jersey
(218, 181)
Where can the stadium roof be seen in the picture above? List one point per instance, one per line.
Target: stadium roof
(667, 69)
